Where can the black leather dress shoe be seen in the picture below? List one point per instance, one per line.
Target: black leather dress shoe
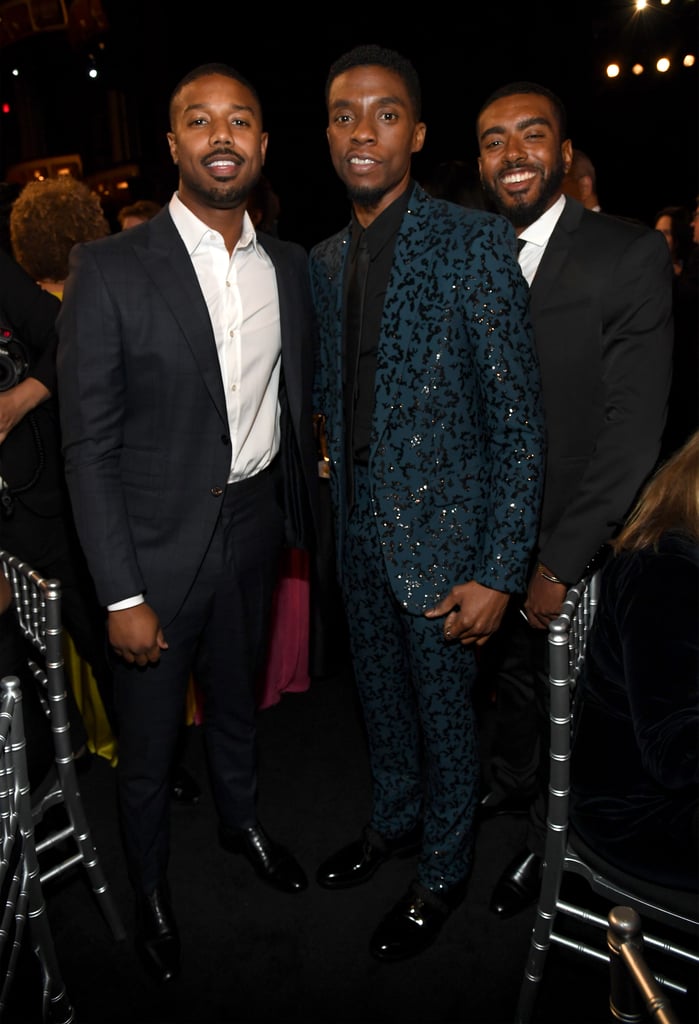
(492, 805)
(357, 862)
(157, 938)
(518, 885)
(414, 922)
(272, 862)
(184, 789)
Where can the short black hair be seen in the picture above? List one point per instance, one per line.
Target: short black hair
(371, 53)
(515, 88)
(214, 68)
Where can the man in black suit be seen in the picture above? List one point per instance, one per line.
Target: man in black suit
(184, 366)
(601, 306)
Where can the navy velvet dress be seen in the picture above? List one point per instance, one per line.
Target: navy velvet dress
(635, 760)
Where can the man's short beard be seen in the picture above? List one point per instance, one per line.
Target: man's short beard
(521, 215)
(220, 197)
(366, 197)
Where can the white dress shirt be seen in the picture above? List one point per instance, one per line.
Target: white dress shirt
(241, 295)
(536, 235)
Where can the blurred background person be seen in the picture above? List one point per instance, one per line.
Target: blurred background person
(675, 224)
(135, 213)
(679, 228)
(580, 181)
(635, 758)
(46, 219)
(457, 182)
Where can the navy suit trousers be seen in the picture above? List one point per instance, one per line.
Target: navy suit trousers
(415, 692)
(219, 636)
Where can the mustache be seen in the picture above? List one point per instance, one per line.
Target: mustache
(227, 154)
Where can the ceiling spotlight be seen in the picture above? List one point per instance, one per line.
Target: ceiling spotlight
(613, 70)
(637, 69)
(662, 65)
(688, 60)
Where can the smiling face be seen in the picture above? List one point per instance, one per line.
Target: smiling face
(372, 133)
(217, 142)
(523, 159)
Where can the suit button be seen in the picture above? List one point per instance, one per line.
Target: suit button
(217, 491)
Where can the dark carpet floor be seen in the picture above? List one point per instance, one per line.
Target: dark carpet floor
(252, 955)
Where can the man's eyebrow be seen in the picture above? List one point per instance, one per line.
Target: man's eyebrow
(527, 122)
(381, 101)
(234, 107)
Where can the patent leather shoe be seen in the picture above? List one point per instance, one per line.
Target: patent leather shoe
(414, 922)
(157, 937)
(272, 863)
(492, 805)
(184, 788)
(518, 885)
(357, 862)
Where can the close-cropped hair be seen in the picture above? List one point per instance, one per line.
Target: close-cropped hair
(516, 88)
(48, 218)
(371, 53)
(202, 71)
(144, 208)
(669, 501)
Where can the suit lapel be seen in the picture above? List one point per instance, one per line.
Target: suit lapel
(555, 254)
(167, 263)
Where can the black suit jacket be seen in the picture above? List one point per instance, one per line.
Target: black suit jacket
(601, 305)
(143, 411)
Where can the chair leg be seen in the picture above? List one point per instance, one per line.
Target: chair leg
(540, 940)
(88, 852)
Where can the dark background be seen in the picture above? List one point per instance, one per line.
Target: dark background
(641, 132)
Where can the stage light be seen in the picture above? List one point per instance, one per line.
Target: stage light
(662, 65)
(613, 70)
(637, 69)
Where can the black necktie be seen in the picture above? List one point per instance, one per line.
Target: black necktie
(521, 242)
(354, 317)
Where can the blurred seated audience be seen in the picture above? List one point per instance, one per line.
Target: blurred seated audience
(635, 756)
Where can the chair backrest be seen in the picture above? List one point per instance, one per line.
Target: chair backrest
(565, 852)
(21, 895)
(37, 603)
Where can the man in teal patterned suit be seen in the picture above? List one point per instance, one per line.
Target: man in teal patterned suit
(429, 384)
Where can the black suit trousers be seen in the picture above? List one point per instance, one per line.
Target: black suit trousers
(514, 664)
(220, 636)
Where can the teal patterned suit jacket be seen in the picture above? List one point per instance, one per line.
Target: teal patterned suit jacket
(457, 450)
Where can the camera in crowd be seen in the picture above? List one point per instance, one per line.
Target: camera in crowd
(14, 361)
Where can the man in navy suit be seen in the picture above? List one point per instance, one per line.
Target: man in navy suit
(185, 362)
(601, 305)
(428, 380)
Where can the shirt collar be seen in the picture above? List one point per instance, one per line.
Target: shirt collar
(193, 230)
(541, 229)
(386, 225)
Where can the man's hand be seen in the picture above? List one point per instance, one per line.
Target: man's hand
(544, 601)
(18, 401)
(135, 634)
(473, 612)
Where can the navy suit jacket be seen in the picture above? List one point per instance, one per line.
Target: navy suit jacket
(143, 412)
(457, 449)
(601, 304)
